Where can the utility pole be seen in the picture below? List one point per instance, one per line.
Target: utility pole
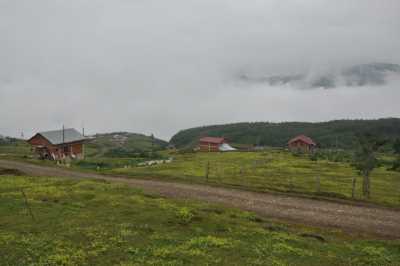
(83, 144)
(83, 128)
(152, 145)
(63, 135)
(63, 141)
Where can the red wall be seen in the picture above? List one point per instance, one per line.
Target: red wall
(206, 146)
(300, 145)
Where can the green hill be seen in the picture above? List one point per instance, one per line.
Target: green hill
(338, 133)
(122, 144)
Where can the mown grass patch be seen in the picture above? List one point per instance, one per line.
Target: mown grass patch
(99, 223)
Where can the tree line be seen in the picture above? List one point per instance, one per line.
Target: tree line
(341, 134)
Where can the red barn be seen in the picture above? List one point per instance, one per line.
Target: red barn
(58, 144)
(302, 143)
(211, 144)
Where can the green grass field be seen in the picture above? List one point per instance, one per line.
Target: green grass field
(274, 170)
(271, 170)
(15, 149)
(98, 223)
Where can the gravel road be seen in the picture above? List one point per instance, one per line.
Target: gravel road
(369, 220)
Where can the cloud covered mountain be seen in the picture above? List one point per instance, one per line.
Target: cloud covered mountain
(373, 74)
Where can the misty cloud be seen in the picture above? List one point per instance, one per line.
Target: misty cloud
(160, 66)
(373, 74)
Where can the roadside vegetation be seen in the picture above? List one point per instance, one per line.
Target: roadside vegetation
(53, 221)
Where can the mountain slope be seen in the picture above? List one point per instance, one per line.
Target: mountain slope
(338, 133)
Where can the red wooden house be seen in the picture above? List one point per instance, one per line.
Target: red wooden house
(211, 144)
(302, 143)
(58, 144)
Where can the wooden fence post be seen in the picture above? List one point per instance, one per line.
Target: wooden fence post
(353, 187)
(27, 205)
(207, 170)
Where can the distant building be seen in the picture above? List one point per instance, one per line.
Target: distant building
(171, 147)
(214, 144)
(58, 144)
(302, 143)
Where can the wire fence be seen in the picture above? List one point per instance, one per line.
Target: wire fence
(259, 176)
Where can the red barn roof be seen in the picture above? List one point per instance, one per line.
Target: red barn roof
(304, 139)
(212, 140)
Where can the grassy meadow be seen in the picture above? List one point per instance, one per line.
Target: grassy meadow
(270, 170)
(273, 170)
(15, 149)
(70, 222)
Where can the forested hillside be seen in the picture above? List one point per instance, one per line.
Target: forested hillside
(338, 133)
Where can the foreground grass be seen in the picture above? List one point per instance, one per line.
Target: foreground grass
(98, 223)
(275, 171)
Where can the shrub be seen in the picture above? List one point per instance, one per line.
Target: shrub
(377, 256)
(210, 242)
(185, 215)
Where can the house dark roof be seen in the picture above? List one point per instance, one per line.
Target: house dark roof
(212, 140)
(55, 137)
(304, 139)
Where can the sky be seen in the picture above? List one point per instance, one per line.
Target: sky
(157, 67)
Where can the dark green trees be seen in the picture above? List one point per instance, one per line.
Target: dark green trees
(396, 150)
(365, 159)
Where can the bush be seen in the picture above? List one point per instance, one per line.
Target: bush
(186, 151)
(314, 157)
(395, 165)
(185, 215)
(93, 165)
(122, 153)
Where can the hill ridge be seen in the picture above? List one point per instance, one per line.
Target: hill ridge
(335, 133)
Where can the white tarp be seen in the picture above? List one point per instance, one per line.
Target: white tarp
(226, 147)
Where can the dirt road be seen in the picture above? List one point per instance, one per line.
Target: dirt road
(370, 220)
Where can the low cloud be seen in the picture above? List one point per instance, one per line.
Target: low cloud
(373, 74)
(158, 67)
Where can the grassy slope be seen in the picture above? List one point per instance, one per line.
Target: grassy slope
(274, 170)
(97, 223)
(133, 142)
